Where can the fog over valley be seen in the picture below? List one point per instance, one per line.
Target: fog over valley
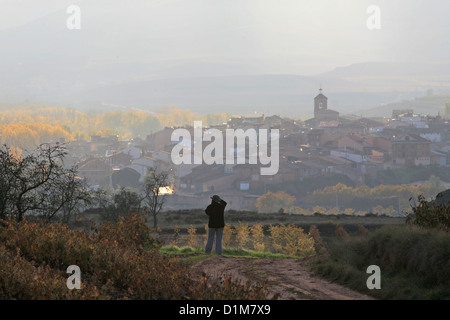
(205, 56)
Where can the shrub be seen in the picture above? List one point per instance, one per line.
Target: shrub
(21, 279)
(130, 230)
(205, 235)
(349, 211)
(274, 202)
(430, 215)
(414, 262)
(315, 235)
(258, 237)
(192, 237)
(176, 235)
(319, 209)
(363, 231)
(333, 211)
(342, 234)
(227, 234)
(34, 258)
(292, 240)
(424, 253)
(242, 234)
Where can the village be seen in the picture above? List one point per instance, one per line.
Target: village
(328, 144)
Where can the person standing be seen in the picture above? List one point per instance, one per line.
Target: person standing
(216, 223)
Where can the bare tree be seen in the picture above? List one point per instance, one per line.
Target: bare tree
(70, 198)
(38, 183)
(154, 192)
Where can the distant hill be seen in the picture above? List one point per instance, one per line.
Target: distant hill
(100, 68)
(426, 105)
(269, 94)
(400, 71)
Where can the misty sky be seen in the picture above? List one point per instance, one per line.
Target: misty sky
(288, 36)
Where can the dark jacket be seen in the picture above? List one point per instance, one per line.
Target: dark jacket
(215, 212)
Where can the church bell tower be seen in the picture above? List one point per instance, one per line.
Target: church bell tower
(320, 103)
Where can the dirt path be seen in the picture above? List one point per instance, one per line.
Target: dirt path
(290, 278)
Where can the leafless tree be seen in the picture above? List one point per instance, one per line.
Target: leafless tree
(154, 196)
(38, 184)
(70, 198)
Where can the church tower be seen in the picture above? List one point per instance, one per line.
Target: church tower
(320, 104)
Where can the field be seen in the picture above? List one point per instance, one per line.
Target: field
(414, 261)
(266, 256)
(327, 223)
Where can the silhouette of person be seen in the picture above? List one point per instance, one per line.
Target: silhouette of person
(216, 223)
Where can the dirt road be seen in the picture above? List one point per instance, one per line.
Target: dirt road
(290, 278)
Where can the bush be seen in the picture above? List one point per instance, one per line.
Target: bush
(363, 231)
(416, 252)
(274, 202)
(192, 237)
(257, 232)
(130, 230)
(242, 234)
(318, 242)
(405, 254)
(342, 234)
(21, 279)
(430, 215)
(292, 240)
(117, 261)
(227, 234)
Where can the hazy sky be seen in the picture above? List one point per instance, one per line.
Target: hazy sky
(282, 36)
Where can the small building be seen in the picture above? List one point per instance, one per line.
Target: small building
(96, 171)
(411, 150)
(120, 159)
(318, 137)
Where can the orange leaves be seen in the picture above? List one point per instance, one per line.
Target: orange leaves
(242, 234)
(292, 240)
(21, 279)
(257, 233)
(347, 195)
(227, 235)
(120, 261)
(130, 230)
(273, 202)
(342, 234)
(30, 135)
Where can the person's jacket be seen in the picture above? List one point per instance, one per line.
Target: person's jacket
(215, 212)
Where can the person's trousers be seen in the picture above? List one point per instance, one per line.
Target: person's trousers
(218, 234)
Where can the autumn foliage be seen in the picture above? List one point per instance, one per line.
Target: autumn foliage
(28, 126)
(274, 202)
(117, 261)
(292, 240)
(349, 196)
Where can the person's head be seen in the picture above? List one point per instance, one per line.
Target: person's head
(215, 198)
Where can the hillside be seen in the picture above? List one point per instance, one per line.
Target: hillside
(427, 105)
(103, 66)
